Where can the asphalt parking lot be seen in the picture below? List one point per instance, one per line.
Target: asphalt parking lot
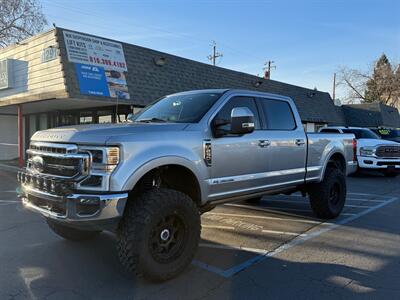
(274, 249)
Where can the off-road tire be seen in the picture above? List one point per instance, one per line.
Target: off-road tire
(140, 231)
(70, 233)
(327, 198)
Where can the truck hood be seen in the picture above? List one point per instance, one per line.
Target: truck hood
(99, 134)
(374, 142)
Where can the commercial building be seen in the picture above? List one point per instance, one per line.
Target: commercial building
(62, 77)
(371, 115)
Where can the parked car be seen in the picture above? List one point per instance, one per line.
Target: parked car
(391, 134)
(149, 180)
(372, 151)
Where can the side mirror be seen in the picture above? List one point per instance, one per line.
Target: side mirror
(242, 120)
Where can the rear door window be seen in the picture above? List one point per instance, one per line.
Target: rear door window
(277, 114)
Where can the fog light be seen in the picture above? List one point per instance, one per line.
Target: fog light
(93, 201)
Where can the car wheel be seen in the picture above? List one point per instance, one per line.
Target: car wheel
(159, 234)
(327, 198)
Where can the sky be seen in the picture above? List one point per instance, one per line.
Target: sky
(307, 40)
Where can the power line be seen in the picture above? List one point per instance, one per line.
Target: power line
(267, 69)
(212, 57)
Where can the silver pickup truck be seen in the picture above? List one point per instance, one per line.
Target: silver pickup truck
(149, 179)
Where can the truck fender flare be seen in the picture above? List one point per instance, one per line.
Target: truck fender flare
(328, 160)
(139, 172)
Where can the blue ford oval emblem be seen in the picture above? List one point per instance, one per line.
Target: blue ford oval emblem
(37, 164)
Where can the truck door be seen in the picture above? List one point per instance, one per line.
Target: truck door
(237, 160)
(285, 154)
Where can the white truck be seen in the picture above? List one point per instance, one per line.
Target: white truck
(372, 151)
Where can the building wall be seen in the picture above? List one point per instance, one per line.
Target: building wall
(33, 79)
(8, 137)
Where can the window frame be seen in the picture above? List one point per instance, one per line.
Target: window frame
(258, 114)
(264, 115)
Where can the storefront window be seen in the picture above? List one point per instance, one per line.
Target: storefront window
(105, 116)
(86, 117)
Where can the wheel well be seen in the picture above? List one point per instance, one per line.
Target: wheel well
(170, 176)
(337, 160)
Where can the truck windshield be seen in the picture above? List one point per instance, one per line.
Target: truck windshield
(362, 133)
(185, 108)
(387, 133)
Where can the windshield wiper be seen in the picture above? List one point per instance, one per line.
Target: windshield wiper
(151, 120)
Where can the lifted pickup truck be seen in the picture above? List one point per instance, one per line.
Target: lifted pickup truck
(149, 179)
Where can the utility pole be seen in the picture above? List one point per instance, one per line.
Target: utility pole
(215, 54)
(334, 87)
(267, 69)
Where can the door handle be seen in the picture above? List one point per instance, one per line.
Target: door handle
(264, 143)
(300, 142)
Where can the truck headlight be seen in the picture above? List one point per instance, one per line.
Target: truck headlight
(104, 159)
(367, 151)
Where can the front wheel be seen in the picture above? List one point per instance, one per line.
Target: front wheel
(327, 198)
(159, 234)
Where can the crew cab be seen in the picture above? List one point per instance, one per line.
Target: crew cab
(372, 151)
(149, 180)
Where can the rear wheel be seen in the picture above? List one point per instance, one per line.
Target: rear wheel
(159, 234)
(327, 198)
(70, 233)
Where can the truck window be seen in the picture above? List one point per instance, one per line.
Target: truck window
(362, 133)
(329, 130)
(278, 115)
(225, 112)
(186, 108)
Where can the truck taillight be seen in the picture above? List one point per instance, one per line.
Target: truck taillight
(354, 150)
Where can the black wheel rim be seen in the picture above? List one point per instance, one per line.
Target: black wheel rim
(167, 238)
(334, 194)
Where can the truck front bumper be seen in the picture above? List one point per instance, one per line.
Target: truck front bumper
(371, 162)
(82, 211)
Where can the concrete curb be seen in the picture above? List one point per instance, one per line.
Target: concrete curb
(9, 168)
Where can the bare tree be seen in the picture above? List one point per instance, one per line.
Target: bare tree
(380, 83)
(19, 19)
(355, 81)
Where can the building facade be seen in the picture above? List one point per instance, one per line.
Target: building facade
(62, 77)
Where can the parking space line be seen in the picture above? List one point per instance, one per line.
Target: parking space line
(266, 218)
(272, 209)
(311, 233)
(306, 202)
(282, 232)
(229, 247)
(10, 201)
(218, 227)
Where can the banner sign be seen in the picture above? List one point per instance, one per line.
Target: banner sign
(90, 50)
(92, 80)
(6, 74)
(96, 81)
(100, 65)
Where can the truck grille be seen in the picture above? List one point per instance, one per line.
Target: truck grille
(59, 160)
(388, 151)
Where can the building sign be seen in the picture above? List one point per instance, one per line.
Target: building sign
(6, 74)
(96, 81)
(108, 59)
(90, 50)
(49, 54)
